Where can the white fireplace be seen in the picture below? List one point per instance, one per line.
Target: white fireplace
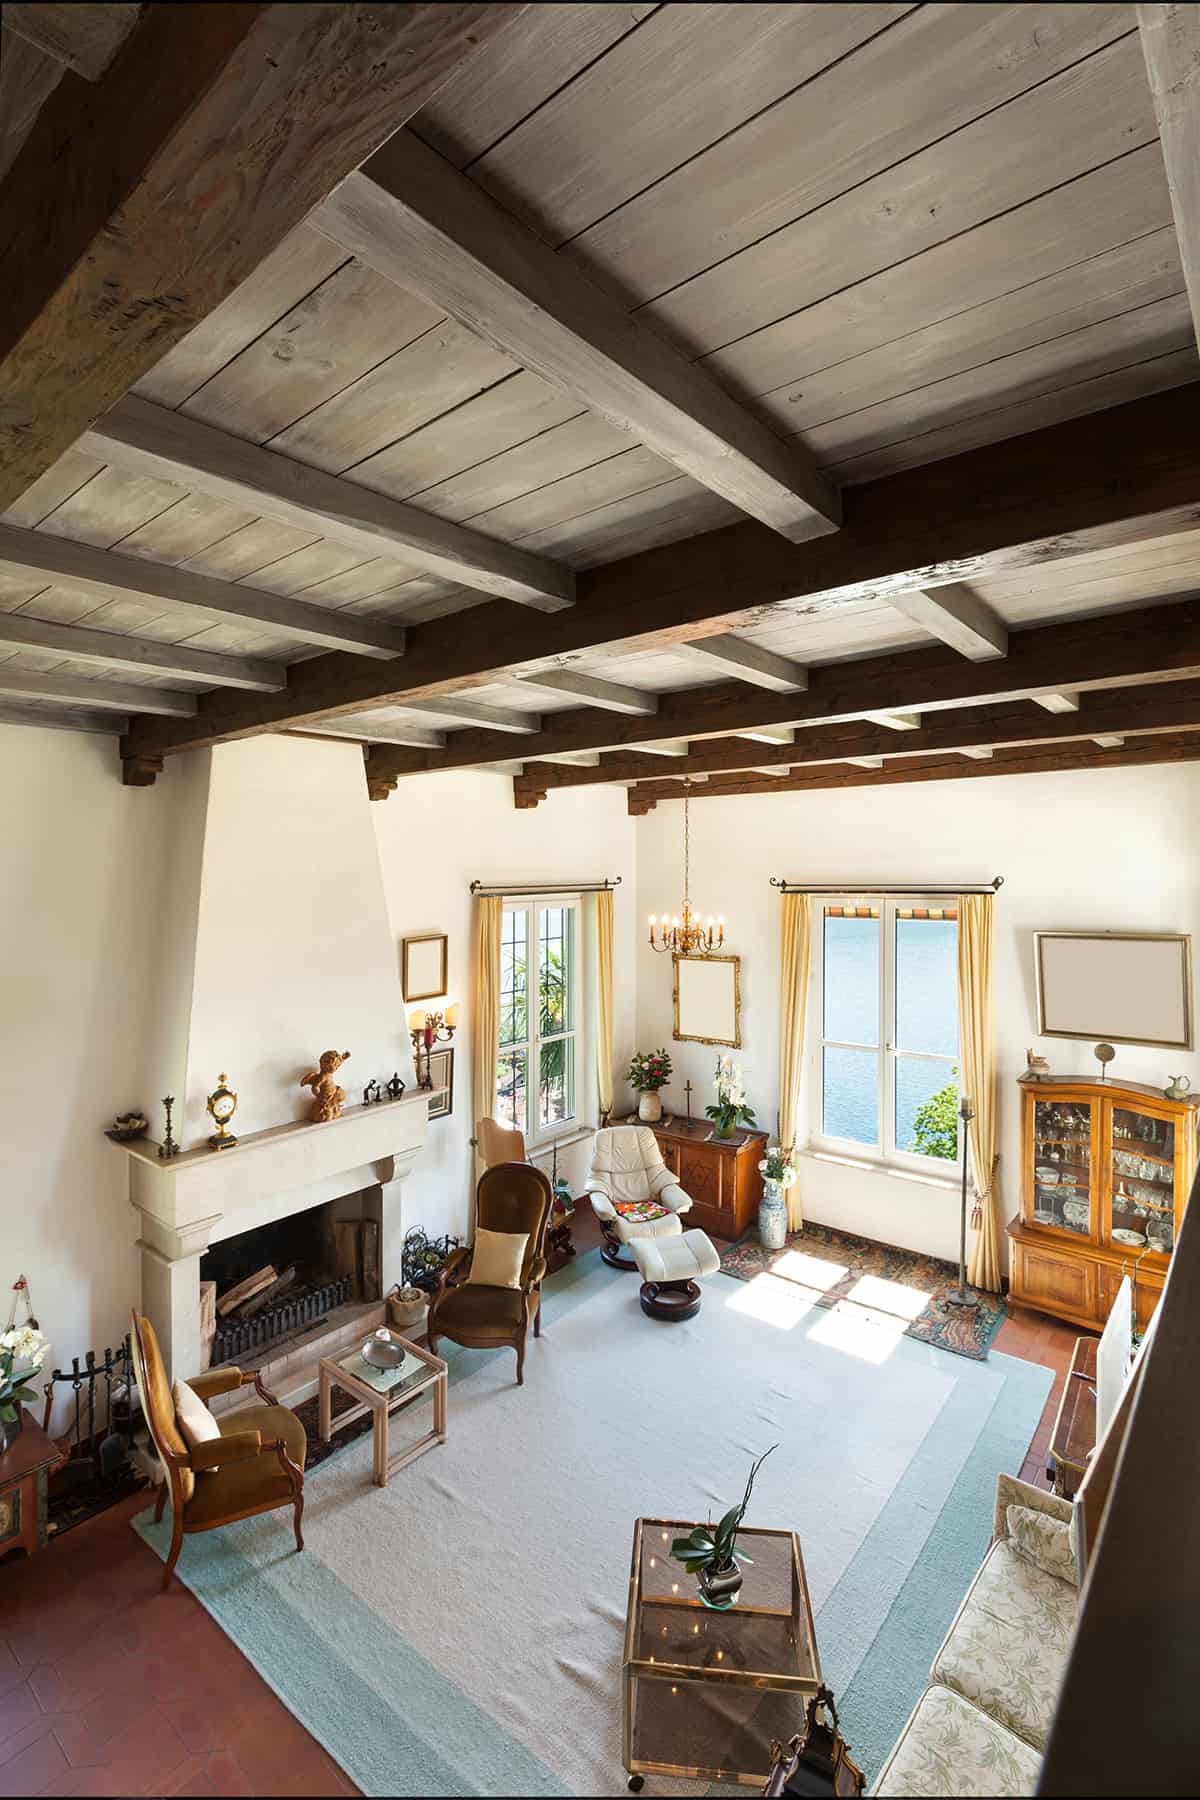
(203, 1197)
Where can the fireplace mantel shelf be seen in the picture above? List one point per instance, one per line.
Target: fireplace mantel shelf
(145, 1150)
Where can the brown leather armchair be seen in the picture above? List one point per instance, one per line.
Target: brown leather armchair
(513, 1197)
(255, 1466)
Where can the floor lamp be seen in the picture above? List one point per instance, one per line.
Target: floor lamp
(962, 1295)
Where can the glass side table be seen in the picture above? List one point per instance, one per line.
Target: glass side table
(705, 1692)
(382, 1392)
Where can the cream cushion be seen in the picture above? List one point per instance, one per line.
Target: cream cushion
(950, 1747)
(684, 1258)
(1006, 1651)
(195, 1421)
(498, 1258)
(1043, 1541)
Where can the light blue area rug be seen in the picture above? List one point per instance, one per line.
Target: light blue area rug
(460, 1631)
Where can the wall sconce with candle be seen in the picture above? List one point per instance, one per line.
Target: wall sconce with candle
(427, 1029)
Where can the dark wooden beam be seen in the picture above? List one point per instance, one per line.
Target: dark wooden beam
(84, 37)
(139, 201)
(1030, 759)
(1153, 707)
(1159, 643)
(1113, 478)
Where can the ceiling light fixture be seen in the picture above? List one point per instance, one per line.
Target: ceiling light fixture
(687, 936)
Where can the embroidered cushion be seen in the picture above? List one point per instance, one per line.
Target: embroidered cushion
(639, 1209)
(1044, 1541)
(193, 1417)
(498, 1258)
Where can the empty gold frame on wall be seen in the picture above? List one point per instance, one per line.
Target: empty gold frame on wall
(1134, 987)
(708, 1000)
(423, 966)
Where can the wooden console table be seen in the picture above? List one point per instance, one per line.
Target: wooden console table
(720, 1174)
(24, 1487)
(1074, 1436)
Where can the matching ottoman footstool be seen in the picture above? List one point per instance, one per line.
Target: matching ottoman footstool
(671, 1269)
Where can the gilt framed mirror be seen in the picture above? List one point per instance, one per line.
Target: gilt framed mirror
(423, 966)
(708, 1000)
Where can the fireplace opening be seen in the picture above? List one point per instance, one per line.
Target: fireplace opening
(277, 1281)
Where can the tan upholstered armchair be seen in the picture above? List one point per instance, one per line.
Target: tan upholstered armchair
(516, 1198)
(255, 1466)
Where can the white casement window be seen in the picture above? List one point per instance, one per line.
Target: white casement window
(884, 1059)
(537, 1077)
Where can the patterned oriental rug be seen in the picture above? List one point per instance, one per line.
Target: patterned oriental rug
(460, 1631)
(836, 1266)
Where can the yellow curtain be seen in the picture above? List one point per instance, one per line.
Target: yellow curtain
(793, 1001)
(978, 1080)
(489, 909)
(604, 1000)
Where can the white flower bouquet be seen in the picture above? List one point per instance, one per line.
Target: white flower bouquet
(730, 1110)
(777, 1165)
(22, 1353)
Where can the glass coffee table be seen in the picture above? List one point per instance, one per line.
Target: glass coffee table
(706, 1692)
(382, 1392)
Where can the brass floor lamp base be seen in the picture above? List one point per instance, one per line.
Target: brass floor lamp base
(961, 1297)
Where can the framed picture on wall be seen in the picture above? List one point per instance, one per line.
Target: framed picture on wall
(423, 966)
(441, 1074)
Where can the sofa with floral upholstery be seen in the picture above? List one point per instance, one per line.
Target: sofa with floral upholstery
(981, 1725)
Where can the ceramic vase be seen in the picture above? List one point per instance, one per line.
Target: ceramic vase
(650, 1107)
(772, 1217)
(719, 1588)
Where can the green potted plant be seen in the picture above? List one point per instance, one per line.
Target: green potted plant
(730, 1110)
(711, 1552)
(649, 1071)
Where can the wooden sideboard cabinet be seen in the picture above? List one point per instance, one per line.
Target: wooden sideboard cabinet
(1105, 1171)
(720, 1174)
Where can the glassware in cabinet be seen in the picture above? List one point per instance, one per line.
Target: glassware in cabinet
(1143, 1181)
(1062, 1165)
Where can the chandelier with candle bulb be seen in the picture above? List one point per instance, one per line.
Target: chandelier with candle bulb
(689, 935)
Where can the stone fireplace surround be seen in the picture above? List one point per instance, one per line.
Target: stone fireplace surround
(202, 1197)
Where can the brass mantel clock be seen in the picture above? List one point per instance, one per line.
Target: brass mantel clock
(222, 1104)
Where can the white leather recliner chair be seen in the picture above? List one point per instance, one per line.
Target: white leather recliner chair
(633, 1193)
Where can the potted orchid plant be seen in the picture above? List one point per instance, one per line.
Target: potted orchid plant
(730, 1110)
(649, 1071)
(711, 1552)
(22, 1353)
(778, 1172)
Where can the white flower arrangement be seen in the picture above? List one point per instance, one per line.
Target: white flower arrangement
(23, 1350)
(731, 1109)
(777, 1165)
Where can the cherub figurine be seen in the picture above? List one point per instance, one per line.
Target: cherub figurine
(329, 1098)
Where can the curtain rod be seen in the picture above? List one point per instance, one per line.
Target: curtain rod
(506, 888)
(914, 887)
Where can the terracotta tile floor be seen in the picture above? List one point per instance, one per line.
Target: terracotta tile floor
(108, 1686)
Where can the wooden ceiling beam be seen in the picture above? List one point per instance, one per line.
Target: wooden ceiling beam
(85, 38)
(138, 202)
(610, 696)
(476, 712)
(111, 576)
(393, 731)
(1159, 643)
(168, 446)
(1170, 38)
(972, 732)
(1031, 760)
(76, 719)
(958, 616)
(1057, 703)
(77, 689)
(19, 632)
(410, 215)
(750, 662)
(1118, 477)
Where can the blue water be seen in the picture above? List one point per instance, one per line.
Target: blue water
(926, 1020)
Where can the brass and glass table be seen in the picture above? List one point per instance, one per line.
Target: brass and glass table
(706, 1692)
(382, 1392)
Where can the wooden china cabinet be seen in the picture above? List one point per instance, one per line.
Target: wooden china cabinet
(1105, 1172)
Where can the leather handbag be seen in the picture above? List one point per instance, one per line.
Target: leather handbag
(817, 1760)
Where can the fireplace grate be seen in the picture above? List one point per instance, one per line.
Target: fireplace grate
(236, 1337)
